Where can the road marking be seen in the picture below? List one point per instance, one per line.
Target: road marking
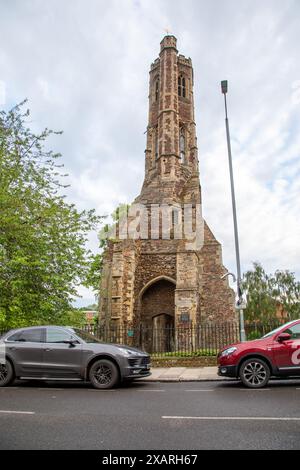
(254, 389)
(9, 388)
(18, 412)
(154, 390)
(74, 389)
(52, 389)
(232, 418)
(97, 389)
(199, 390)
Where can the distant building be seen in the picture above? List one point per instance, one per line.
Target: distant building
(90, 315)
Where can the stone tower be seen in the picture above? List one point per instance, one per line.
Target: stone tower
(162, 276)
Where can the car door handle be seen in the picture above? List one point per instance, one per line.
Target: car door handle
(12, 348)
(47, 350)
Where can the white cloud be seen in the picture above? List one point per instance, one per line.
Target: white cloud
(84, 67)
(43, 86)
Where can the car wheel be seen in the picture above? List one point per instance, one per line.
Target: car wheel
(255, 373)
(104, 374)
(6, 374)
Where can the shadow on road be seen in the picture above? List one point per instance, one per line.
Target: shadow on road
(71, 385)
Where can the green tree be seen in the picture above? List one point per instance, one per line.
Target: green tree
(88, 307)
(43, 255)
(286, 290)
(266, 293)
(94, 273)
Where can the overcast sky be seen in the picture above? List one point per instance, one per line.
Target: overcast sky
(83, 65)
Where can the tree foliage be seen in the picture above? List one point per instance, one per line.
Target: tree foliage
(43, 255)
(94, 273)
(269, 295)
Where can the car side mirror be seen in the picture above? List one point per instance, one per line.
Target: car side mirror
(283, 337)
(71, 342)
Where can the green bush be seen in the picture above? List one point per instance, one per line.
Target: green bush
(253, 335)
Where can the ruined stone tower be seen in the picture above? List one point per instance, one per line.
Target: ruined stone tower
(162, 276)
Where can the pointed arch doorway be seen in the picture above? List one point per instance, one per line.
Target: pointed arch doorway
(157, 300)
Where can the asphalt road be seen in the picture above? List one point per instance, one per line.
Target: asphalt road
(186, 415)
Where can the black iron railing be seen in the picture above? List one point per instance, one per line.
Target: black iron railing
(205, 339)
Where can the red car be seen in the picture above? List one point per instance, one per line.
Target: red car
(276, 354)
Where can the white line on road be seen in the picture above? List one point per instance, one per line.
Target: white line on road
(148, 390)
(203, 390)
(232, 418)
(10, 388)
(51, 389)
(98, 390)
(18, 412)
(254, 389)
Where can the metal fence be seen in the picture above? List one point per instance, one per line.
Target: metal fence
(204, 339)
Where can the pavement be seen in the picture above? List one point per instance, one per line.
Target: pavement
(183, 374)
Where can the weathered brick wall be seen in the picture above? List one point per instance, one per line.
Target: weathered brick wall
(217, 299)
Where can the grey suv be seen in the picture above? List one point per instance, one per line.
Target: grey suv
(62, 353)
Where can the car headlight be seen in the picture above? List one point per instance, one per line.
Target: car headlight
(128, 352)
(228, 351)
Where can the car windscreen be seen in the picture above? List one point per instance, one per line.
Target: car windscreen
(85, 336)
(273, 332)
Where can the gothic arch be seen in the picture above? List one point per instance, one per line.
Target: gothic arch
(157, 297)
(153, 281)
(157, 313)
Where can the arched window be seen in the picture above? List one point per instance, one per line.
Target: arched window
(156, 89)
(181, 86)
(182, 146)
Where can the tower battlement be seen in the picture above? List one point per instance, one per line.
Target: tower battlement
(169, 41)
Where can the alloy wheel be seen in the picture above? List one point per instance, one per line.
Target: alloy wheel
(103, 374)
(3, 372)
(255, 373)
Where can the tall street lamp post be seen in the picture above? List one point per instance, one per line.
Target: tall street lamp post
(224, 87)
